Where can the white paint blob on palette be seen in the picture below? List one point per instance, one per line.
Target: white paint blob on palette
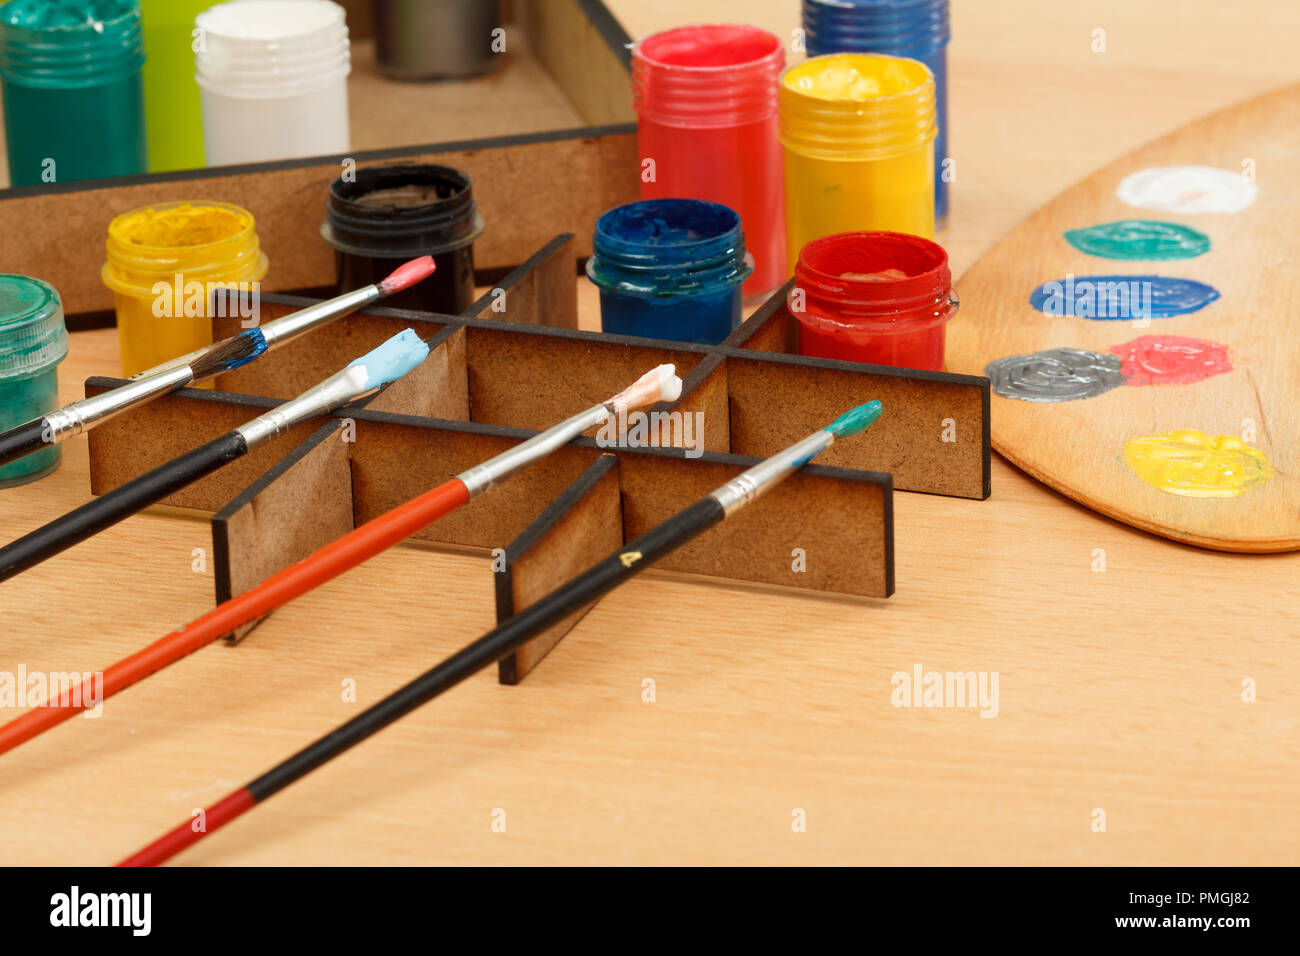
(1187, 189)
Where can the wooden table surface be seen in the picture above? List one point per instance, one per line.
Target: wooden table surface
(1119, 690)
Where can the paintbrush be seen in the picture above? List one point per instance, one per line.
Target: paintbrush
(577, 593)
(358, 545)
(224, 356)
(363, 377)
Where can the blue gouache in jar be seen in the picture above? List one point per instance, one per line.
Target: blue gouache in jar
(33, 341)
(917, 29)
(670, 269)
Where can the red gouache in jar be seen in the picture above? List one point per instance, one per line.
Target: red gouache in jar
(877, 297)
(705, 98)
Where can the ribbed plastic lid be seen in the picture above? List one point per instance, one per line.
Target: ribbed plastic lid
(32, 334)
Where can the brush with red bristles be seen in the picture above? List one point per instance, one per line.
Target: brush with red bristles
(361, 544)
(224, 356)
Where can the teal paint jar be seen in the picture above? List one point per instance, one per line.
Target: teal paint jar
(33, 341)
(73, 94)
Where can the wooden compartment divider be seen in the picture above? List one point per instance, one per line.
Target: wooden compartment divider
(577, 529)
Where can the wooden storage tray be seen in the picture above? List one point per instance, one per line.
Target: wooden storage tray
(489, 381)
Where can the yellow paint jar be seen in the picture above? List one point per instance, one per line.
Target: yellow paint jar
(857, 131)
(164, 261)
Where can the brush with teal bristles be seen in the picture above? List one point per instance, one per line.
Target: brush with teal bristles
(633, 558)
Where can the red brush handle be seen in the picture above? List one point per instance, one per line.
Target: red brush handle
(214, 818)
(329, 562)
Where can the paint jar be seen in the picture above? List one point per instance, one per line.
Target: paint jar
(173, 115)
(380, 217)
(73, 100)
(670, 269)
(273, 80)
(435, 39)
(705, 98)
(912, 28)
(33, 341)
(878, 297)
(164, 262)
(858, 131)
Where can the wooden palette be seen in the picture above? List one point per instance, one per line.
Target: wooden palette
(1076, 446)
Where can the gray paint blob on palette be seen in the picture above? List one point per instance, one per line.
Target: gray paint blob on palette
(1055, 375)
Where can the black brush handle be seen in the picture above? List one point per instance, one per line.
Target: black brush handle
(122, 502)
(596, 581)
(21, 441)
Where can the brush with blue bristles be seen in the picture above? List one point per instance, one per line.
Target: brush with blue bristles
(630, 560)
(224, 356)
(364, 377)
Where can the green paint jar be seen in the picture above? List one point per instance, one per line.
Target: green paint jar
(73, 96)
(33, 341)
(171, 95)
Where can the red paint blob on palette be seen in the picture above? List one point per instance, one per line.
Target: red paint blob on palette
(1171, 359)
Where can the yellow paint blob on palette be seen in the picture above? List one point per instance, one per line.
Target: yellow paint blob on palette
(1163, 389)
(1191, 463)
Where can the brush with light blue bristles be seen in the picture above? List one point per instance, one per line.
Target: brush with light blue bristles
(633, 558)
(364, 377)
(211, 360)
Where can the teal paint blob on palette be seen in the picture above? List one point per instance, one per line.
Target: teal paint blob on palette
(33, 341)
(1114, 297)
(73, 95)
(1140, 239)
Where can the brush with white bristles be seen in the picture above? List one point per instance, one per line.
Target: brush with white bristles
(355, 547)
(224, 356)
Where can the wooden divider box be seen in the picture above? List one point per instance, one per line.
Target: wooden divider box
(491, 382)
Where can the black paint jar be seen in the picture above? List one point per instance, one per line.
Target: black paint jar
(383, 216)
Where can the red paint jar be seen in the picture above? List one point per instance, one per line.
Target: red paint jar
(878, 297)
(705, 98)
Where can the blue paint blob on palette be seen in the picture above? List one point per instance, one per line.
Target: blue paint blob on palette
(1104, 298)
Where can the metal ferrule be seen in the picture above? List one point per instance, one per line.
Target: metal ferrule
(289, 327)
(496, 470)
(339, 389)
(752, 484)
(72, 420)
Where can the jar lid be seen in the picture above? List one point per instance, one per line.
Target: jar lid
(32, 334)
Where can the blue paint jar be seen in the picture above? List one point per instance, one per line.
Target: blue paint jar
(917, 29)
(670, 269)
(33, 341)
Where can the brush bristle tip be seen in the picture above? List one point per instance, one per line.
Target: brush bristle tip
(408, 274)
(670, 384)
(856, 419)
(397, 356)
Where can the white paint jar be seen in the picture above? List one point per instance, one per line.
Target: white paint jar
(273, 80)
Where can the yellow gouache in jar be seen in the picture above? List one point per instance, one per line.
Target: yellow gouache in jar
(164, 262)
(857, 131)
(1189, 462)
